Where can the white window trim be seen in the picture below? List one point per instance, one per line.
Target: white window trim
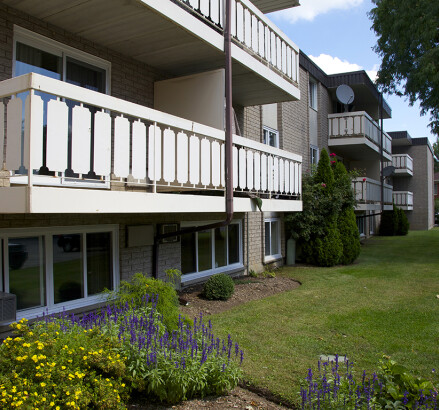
(41, 42)
(276, 132)
(312, 94)
(190, 277)
(47, 233)
(272, 258)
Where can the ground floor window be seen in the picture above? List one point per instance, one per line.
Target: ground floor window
(361, 223)
(58, 267)
(211, 251)
(272, 239)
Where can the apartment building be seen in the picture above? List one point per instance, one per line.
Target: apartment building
(353, 132)
(113, 134)
(413, 189)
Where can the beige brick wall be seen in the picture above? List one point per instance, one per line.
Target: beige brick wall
(294, 123)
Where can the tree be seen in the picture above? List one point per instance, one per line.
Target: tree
(408, 42)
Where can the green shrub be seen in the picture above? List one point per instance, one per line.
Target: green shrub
(139, 287)
(349, 236)
(403, 223)
(219, 287)
(387, 224)
(48, 367)
(324, 174)
(326, 250)
(394, 222)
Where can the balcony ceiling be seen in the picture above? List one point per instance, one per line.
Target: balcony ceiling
(268, 6)
(133, 29)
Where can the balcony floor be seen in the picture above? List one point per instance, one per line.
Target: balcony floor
(19, 199)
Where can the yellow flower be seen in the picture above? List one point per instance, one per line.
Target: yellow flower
(42, 384)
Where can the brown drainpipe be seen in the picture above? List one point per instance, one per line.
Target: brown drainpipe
(228, 148)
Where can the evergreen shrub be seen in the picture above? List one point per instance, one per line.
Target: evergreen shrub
(219, 287)
(403, 223)
(349, 236)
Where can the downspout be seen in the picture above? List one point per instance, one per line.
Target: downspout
(228, 148)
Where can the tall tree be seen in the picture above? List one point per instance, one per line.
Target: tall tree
(408, 42)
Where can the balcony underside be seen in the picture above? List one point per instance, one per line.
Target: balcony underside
(356, 148)
(373, 207)
(403, 172)
(19, 199)
(166, 37)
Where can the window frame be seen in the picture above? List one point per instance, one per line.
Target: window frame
(64, 51)
(189, 277)
(275, 132)
(273, 257)
(312, 94)
(46, 234)
(316, 156)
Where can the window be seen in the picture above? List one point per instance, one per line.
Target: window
(211, 251)
(361, 220)
(313, 94)
(270, 137)
(52, 268)
(36, 53)
(313, 155)
(41, 55)
(272, 239)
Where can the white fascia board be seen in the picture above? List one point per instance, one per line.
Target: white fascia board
(77, 201)
(264, 71)
(369, 207)
(181, 17)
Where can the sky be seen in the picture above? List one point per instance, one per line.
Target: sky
(337, 36)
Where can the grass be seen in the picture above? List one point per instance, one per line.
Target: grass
(383, 304)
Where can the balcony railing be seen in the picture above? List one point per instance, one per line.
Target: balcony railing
(403, 164)
(403, 199)
(368, 191)
(68, 135)
(252, 31)
(358, 124)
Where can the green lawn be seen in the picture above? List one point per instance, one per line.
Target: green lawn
(383, 304)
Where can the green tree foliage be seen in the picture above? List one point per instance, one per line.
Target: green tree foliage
(394, 222)
(349, 236)
(408, 43)
(327, 194)
(324, 174)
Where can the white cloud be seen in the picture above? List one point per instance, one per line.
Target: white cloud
(309, 9)
(333, 65)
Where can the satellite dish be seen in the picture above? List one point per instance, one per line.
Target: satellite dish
(345, 95)
(387, 171)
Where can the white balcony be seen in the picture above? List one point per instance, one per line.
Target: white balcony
(183, 37)
(357, 136)
(403, 200)
(403, 164)
(368, 194)
(90, 152)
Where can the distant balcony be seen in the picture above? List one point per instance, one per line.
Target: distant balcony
(368, 194)
(90, 152)
(403, 164)
(403, 200)
(357, 136)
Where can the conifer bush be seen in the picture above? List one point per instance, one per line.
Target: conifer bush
(403, 223)
(328, 202)
(349, 236)
(394, 222)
